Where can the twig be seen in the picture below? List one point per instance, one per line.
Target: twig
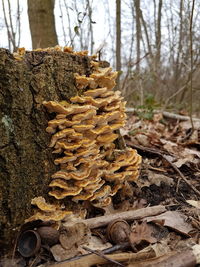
(153, 151)
(92, 259)
(191, 64)
(100, 254)
(19, 23)
(166, 114)
(105, 251)
(125, 215)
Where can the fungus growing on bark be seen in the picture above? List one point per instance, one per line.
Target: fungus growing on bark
(46, 211)
(40, 202)
(83, 132)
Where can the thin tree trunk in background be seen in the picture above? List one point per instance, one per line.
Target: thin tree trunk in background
(118, 40)
(180, 45)
(158, 36)
(42, 23)
(138, 33)
(89, 6)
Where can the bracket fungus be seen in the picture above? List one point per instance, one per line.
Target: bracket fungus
(83, 133)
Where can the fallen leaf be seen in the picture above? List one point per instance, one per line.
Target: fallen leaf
(194, 203)
(142, 232)
(174, 220)
(59, 253)
(155, 178)
(161, 248)
(74, 235)
(96, 243)
(142, 139)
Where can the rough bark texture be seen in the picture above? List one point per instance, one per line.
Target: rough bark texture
(42, 23)
(26, 162)
(118, 40)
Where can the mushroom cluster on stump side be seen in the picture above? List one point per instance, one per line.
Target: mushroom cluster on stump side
(84, 131)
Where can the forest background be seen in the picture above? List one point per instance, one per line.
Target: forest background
(153, 44)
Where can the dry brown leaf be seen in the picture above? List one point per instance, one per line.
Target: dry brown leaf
(142, 139)
(60, 254)
(142, 232)
(174, 220)
(74, 235)
(155, 178)
(96, 243)
(194, 203)
(161, 248)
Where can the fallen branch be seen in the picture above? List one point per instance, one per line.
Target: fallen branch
(125, 215)
(166, 114)
(187, 257)
(92, 259)
(100, 254)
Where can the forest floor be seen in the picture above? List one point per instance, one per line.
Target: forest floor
(166, 235)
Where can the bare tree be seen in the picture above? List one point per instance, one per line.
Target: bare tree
(13, 33)
(138, 33)
(42, 23)
(118, 39)
(158, 36)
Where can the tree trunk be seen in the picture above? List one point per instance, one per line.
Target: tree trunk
(42, 24)
(26, 161)
(138, 33)
(158, 37)
(118, 40)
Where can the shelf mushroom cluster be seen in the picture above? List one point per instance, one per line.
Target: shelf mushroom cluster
(83, 134)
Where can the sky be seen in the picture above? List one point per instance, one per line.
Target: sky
(100, 30)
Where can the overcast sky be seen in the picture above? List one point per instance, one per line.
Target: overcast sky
(100, 30)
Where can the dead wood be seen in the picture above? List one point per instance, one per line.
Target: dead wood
(125, 215)
(166, 114)
(90, 260)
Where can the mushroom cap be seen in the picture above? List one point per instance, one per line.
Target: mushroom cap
(40, 202)
(63, 184)
(68, 145)
(64, 159)
(60, 194)
(102, 193)
(94, 186)
(83, 81)
(82, 127)
(106, 138)
(58, 215)
(95, 92)
(61, 134)
(83, 196)
(68, 49)
(101, 72)
(101, 129)
(85, 115)
(65, 107)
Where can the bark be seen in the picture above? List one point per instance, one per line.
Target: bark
(158, 36)
(26, 161)
(118, 40)
(138, 33)
(42, 23)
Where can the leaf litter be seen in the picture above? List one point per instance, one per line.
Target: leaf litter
(169, 182)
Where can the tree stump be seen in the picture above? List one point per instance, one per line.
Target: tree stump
(26, 161)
